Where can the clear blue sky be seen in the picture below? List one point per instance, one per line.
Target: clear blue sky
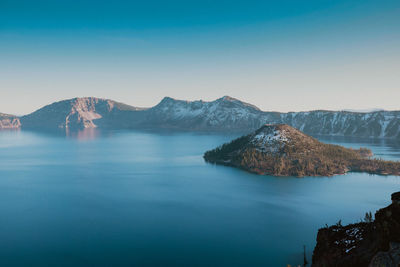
(279, 55)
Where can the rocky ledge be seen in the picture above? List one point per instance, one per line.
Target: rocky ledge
(370, 243)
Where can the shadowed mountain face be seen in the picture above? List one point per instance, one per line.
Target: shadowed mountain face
(282, 150)
(222, 115)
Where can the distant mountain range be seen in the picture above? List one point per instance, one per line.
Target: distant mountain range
(225, 114)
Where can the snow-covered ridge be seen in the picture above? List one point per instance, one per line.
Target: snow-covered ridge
(223, 115)
(228, 113)
(181, 108)
(379, 124)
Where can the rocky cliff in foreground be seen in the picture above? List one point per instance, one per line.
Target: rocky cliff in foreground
(281, 150)
(370, 243)
(225, 114)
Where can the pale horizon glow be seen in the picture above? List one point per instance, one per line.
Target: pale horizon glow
(333, 55)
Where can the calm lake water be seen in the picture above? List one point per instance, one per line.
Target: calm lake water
(132, 198)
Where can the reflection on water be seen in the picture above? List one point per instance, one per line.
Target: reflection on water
(106, 198)
(83, 135)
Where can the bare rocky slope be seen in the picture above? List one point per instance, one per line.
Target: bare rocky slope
(9, 121)
(225, 114)
(80, 113)
(281, 150)
(374, 243)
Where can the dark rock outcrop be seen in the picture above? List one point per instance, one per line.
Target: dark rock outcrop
(375, 243)
(391, 258)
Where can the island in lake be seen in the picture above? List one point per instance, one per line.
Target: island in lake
(281, 150)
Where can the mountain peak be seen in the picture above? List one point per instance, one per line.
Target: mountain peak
(168, 98)
(229, 98)
(273, 138)
(83, 98)
(77, 113)
(283, 130)
(169, 101)
(88, 98)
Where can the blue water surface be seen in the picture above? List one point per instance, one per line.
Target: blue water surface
(129, 198)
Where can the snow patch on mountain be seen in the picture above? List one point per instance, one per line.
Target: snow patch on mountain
(270, 138)
(222, 115)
